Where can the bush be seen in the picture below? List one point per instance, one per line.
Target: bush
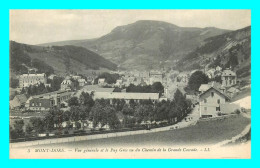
(101, 129)
(58, 133)
(237, 111)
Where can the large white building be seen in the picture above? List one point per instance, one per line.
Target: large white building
(26, 80)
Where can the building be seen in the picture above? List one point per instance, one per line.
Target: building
(210, 101)
(229, 78)
(119, 83)
(52, 76)
(40, 104)
(76, 77)
(126, 96)
(101, 81)
(26, 80)
(205, 87)
(82, 82)
(231, 92)
(18, 101)
(92, 88)
(210, 73)
(156, 76)
(47, 100)
(218, 68)
(66, 84)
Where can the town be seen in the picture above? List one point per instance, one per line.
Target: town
(77, 104)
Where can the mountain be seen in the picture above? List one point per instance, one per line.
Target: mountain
(55, 59)
(146, 43)
(229, 50)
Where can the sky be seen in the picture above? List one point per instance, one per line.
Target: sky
(43, 26)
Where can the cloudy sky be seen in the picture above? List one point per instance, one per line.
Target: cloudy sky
(42, 26)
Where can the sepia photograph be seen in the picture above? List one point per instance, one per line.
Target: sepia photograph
(129, 84)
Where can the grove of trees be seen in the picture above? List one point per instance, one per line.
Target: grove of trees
(156, 87)
(110, 78)
(196, 79)
(117, 114)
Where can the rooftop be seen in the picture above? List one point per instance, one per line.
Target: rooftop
(128, 96)
(228, 72)
(27, 75)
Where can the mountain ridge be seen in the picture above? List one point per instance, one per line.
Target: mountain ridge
(56, 59)
(144, 43)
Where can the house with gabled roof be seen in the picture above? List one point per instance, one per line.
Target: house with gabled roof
(210, 101)
(18, 101)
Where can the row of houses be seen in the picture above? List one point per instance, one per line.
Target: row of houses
(136, 78)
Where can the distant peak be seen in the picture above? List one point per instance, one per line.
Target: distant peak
(154, 21)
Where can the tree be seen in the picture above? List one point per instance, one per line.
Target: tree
(66, 116)
(112, 119)
(172, 112)
(73, 101)
(86, 99)
(128, 122)
(196, 79)
(48, 121)
(180, 101)
(157, 87)
(14, 83)
(28, 129)
(161, 111)
(75, 113)
(37, 124)
(127, 110)
(18, 129)
(78, 125)
(96, 114)
(110, 78)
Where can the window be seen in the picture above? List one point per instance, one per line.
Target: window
(205, 108)
(205, 100)
(218, 101)
(217, 108)
(40, 104)
(212, 94)
(32, 104)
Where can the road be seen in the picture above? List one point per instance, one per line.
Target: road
(204, 132)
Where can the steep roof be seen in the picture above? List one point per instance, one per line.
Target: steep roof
(213, 88)
(66, 82)
(204, 87)
(21, 98)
